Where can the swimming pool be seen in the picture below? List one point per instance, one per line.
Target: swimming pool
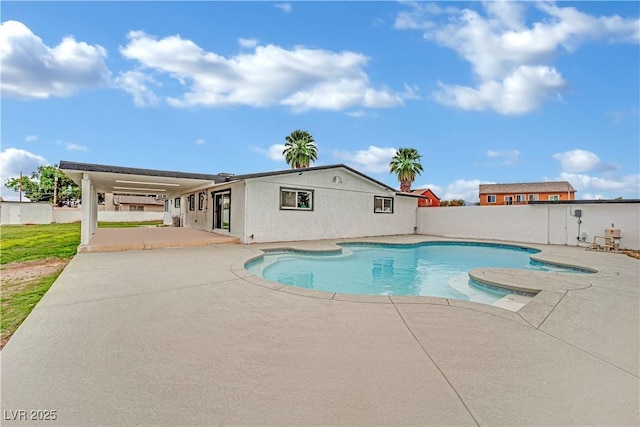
(438, 269)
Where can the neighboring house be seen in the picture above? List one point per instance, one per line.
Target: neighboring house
(523, 193)
(117, 202)
(324, 202)
(429, 200)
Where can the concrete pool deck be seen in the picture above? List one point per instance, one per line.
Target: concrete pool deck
(184, 337)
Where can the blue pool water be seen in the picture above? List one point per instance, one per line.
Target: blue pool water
(428, 269)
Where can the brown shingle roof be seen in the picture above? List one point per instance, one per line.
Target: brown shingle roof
(527, 187)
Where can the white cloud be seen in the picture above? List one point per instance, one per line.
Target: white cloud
(508, 157)
(12, 162)
(274, 152)
(285, 7)
(75, 147)
(618, 117)
(248, 43)
(510, 57)
(300, 78)
(589, 196)
(463, 189)
(30, 138)
(578, 167)
(33, 70)
(137, 84)
(576, 161)
(520, 92)
(200, 141)
(625, 185)
(373, 159)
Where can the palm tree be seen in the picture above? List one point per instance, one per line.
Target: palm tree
(406, 164)
(300, 149)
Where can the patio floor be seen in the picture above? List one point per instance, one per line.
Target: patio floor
(139, 238)
(188, 337)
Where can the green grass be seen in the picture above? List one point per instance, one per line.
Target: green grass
(31, 242)
(16, 306)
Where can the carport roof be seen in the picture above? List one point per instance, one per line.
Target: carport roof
(118, 179)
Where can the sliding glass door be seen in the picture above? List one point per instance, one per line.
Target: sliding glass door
(222, 210)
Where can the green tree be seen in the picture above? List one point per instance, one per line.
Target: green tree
(406, 165)
(300, 149)
(453, 202)
(39, 186)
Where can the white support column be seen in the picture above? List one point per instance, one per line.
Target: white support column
(86, 229)
(94, 209)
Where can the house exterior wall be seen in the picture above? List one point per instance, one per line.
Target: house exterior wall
(542, 196)
(342, 207)
(203, 219)
(432, 201)
(544, 224)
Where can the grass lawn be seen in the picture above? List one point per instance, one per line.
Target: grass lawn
(31, 259)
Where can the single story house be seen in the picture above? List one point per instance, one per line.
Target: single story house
(321, 202)
(523, 193)
(429, 200)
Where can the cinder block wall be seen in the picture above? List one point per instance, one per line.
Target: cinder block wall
(546, 224)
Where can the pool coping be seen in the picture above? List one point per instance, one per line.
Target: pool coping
(549, 287)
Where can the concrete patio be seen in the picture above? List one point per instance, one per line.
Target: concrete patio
(187, 337)
(152, 237)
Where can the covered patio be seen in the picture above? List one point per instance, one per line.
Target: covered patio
(94, 179)
(153, 237)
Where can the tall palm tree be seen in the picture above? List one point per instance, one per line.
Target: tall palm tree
(300, 149)
(406, 164)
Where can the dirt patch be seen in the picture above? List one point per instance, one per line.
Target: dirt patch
(17, 275)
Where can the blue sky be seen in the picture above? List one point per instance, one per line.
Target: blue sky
(487, 92)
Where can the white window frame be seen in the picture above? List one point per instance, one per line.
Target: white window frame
(534, 197)
(298, 192)
(490, 197)
(386, 204)
(508, 200)
(521, 198)
(554, 198)
(192, 202)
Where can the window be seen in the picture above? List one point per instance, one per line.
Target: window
(192, 202)
(520, 198)
(491, 198)
(291, 198)
(533, 197)
(508, 200)
(554, 198)
(136, 208)
(176, 202)
(383, 204)
(201, 197)
(166, 206)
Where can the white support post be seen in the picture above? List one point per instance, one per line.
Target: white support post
(86, 229)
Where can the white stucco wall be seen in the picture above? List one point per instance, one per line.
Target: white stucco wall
(203, 220)
(25, 213)
(545, 224)
(340, 209)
